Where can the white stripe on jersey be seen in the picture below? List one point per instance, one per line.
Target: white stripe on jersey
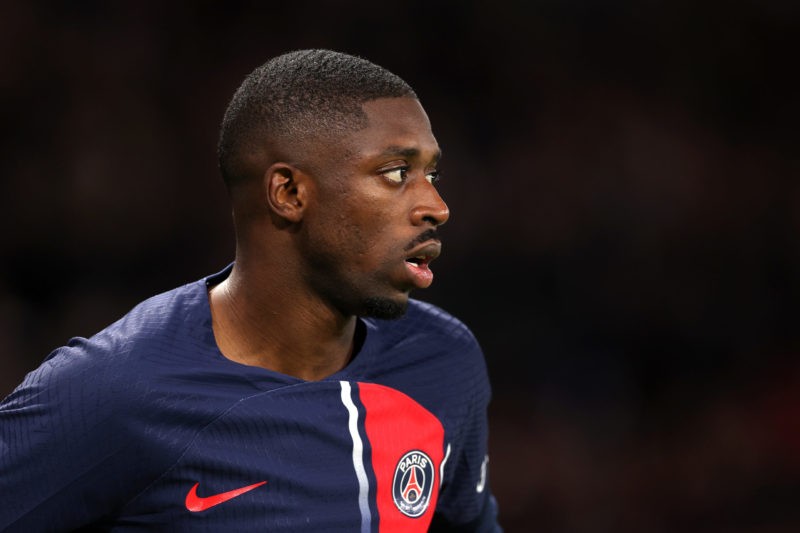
(441, 466)
(358, 457)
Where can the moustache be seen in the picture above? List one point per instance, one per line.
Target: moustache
(428, 235)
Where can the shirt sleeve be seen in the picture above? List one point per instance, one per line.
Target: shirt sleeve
(466, 502)
(65, 460)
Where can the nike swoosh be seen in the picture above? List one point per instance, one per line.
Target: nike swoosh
(196, 503)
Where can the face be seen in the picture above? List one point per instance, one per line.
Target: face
(368, 233)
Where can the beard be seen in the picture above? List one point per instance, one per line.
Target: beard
(329, 273)
(359, 297)
(384, 308)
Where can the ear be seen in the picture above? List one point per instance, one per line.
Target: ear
(287, 191)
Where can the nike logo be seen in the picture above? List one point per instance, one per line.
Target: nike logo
(197, 503)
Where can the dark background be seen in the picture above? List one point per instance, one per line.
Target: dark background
(623, 181)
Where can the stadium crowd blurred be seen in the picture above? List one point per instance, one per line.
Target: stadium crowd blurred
(624, 239)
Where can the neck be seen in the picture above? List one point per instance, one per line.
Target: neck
(262, 322)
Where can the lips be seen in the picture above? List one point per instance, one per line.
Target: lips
(417, 261)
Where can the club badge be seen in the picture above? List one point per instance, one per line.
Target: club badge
(413, 482)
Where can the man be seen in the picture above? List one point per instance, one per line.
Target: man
(300, 389)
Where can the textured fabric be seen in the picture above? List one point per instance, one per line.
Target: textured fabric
(146, 425)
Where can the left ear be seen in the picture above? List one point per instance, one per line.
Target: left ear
(286, 189)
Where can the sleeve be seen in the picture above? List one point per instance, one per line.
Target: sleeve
(466, 502)
(64, 458)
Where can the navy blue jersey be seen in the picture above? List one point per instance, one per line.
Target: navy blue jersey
(146, 425)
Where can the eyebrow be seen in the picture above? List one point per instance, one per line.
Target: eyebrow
(408, 153)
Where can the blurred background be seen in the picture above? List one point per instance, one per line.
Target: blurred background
(623, 181)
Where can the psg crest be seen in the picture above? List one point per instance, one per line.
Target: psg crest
(413, 482)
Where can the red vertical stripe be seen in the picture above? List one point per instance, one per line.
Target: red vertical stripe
(395, 425)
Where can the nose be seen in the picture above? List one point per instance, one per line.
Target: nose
(430, 207)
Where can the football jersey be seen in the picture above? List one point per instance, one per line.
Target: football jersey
(147, 426)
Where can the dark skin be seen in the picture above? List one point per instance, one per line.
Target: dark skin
(322, 232)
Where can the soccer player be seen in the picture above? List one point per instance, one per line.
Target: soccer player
(300, 389)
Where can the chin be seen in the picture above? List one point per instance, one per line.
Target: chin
(384, 308)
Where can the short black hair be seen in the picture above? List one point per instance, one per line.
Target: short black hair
(301, 94)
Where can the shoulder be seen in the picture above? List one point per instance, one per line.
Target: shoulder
(450, 342)
(112, 368)
(436, 322)
(171, 313)
(434, 331)
(172, 322)
(113, 360)
(428, 328)
(101, 409)
(429, 351)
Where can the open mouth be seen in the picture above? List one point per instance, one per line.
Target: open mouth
(419, 260)
(424, 254)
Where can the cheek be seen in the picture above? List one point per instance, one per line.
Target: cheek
(357, 225)
(366, 239)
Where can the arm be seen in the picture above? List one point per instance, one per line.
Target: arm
(65, 456)
(466, 502)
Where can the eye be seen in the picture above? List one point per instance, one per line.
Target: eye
(433, 177)
(396, 175)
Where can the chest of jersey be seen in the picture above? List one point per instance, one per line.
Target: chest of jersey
(307, 457)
